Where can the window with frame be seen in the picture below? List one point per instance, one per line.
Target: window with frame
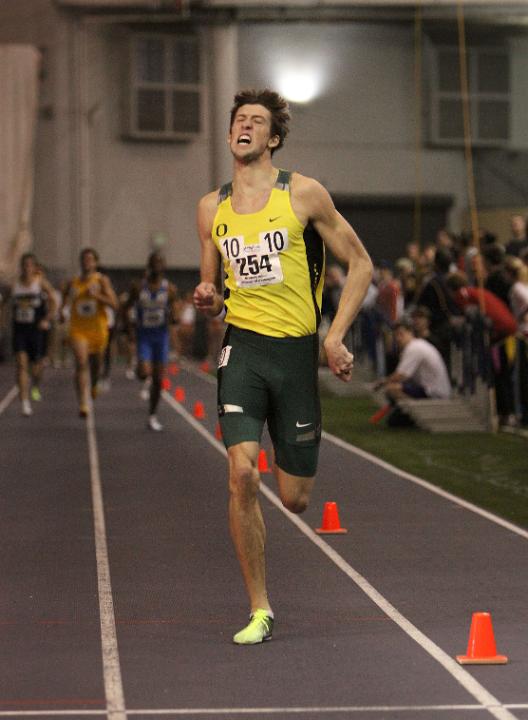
(165, 87)
(489, 96)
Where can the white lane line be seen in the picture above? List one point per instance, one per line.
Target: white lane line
(427, 485)
(254, 711)
(467, 681)
(115, 699)
(6, 402)
(310, 710)
(50, 713)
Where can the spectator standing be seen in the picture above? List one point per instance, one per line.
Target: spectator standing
(406, 276)
(518, 274)
(438, 298)
(497, 281)
(519, 239)
(389, 305)
(503, 327)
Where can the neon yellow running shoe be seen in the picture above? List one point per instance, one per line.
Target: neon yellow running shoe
(36, 394)
(259, 630)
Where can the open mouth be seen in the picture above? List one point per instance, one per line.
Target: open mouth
(244, 140)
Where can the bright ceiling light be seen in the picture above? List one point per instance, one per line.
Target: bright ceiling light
(299, 86)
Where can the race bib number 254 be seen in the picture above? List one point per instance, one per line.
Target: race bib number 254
(257, 264)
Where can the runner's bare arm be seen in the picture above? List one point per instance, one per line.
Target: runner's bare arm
(52, 303)
(206, 296)
(66, 301)
(174, 302)
(133, 295)
(313, 203)
(106, 293)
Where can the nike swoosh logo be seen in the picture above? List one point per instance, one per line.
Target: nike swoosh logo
(275, 218)
(301, 425)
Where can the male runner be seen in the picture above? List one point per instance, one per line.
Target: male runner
(274, 273)
(34, 306)
(155, 301)
(86, 297)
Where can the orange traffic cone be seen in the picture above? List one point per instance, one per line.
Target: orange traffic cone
(331, 524)
(165, 384)
(380, 414)
(263, 466)
(199, 410)
(481, 648)
(179, 394)
(173, 369)
(218, 431)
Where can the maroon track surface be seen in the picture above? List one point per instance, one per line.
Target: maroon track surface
(177, 592)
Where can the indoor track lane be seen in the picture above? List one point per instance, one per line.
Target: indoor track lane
(50, 655)
(178, 596)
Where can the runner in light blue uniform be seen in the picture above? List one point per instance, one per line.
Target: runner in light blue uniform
(155, 301)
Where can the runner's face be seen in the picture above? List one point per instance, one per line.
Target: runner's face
(157, 265)
(250, 134)
(88, 262)
(29, 267)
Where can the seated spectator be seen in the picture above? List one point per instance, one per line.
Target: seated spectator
(420, 373)
(519, 239)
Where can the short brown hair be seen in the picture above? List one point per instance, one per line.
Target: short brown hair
(87, 251)
(272, 101)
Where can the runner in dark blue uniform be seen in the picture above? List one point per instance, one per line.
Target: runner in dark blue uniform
(33, 302)
(155, 301)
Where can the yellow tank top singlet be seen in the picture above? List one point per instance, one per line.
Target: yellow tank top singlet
(274, 266)
(87, 313)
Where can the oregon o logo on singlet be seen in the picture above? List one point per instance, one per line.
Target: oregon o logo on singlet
(273, 271)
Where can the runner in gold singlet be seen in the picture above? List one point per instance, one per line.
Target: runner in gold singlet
(268, 228)
(86, 297)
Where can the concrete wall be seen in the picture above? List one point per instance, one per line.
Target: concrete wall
(358, 136)
(502, 175)
(137, 189)
(38, 23)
